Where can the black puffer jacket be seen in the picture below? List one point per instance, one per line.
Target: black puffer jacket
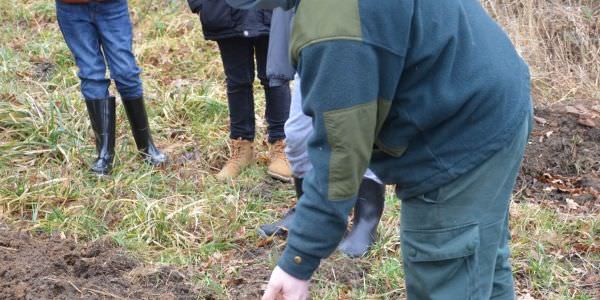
(220, 21)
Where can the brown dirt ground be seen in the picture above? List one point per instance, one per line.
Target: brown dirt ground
(562, 161)
(561, 168)
(51, 267)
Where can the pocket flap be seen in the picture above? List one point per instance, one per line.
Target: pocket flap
(440, 244)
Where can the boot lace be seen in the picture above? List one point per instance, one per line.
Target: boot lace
(236, 152)
(278, 150)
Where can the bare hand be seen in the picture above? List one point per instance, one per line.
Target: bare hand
(283, 286)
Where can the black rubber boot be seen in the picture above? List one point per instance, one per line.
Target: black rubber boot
(367, 213)
(138, 119)
(102, 118)
(280, 228)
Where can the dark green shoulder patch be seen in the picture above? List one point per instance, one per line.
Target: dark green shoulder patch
(323, 20)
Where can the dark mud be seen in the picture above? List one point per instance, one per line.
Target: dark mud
(562, 160)
(51, 267)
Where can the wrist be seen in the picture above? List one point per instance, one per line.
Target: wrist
(297, 264)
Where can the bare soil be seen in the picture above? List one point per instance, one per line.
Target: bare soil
(52, 267)
(562, 161)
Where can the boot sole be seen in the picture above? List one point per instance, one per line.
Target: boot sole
(279, 233)
(280, 177)
(101, 174)
(150, 162)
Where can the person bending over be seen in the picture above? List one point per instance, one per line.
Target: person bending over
(433, 97)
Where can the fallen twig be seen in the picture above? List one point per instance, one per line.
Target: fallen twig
(104, 293)
(8, 248)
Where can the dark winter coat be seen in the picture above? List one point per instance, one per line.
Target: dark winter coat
(221, 21)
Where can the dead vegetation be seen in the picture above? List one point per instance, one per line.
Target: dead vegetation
(560, 39)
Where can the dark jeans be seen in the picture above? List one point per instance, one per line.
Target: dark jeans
(238, 60)
(96, 32)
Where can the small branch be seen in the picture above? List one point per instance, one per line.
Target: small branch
(105, 293)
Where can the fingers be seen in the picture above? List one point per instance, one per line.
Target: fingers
(272, 292)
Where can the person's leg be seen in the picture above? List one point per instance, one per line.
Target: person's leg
(502, 285)
(277, 111)
(115, 29)
(103, 118)
(82, 38)
(298, 128)
(454, 238)
(367, 213)
(237, 55)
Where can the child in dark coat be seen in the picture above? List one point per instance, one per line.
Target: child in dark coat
(243, 37)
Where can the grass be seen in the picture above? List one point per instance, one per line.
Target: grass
(560, 40)
(180, 215)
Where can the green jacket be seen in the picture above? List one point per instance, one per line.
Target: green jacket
(422, 91)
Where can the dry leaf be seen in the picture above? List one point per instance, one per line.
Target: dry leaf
(571, 204)
(582, 108)
(540, 120)
(526, 297)
(572, 110)
(549, 189)
(264, 242)
(586, 121)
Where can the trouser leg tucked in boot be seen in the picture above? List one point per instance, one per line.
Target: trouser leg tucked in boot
(280, 227)
(138, 119)
(367, 213)
(102, 119)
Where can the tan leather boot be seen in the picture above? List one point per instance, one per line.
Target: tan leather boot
(242, 155)
(279, 167)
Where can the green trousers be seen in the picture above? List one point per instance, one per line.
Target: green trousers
(455, 238)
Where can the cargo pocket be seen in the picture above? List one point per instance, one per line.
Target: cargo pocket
(441, 263)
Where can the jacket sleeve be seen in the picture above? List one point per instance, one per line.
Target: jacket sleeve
(279, 67)
(340, 90)
(195, 5)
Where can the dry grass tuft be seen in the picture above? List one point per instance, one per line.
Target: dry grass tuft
(561, 41)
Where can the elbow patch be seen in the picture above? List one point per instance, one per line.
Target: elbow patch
(351, 133)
